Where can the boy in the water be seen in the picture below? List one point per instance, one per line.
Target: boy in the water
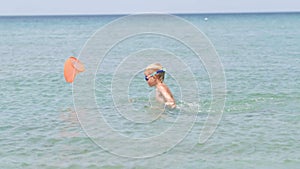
(154, 75)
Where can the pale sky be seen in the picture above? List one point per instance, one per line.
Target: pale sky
(69, 7)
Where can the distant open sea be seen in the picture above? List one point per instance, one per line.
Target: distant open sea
(260, 126)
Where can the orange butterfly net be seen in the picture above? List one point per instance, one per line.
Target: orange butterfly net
(72, 67)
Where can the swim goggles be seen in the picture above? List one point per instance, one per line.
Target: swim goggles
(153, 74)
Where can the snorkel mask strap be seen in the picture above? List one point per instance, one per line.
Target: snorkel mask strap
(154, 73)
(159, 71)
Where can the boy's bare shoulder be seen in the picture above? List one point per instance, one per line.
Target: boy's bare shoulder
(162, 86)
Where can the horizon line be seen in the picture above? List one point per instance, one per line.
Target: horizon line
(122, 14)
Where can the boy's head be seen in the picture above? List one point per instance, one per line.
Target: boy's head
(153, 72)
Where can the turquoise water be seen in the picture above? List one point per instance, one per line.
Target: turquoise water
(260, 124)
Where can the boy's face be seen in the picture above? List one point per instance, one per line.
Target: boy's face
(151, 79)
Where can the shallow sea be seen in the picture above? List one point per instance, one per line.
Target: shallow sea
(259, 128)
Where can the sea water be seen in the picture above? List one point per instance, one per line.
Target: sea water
(259, 128)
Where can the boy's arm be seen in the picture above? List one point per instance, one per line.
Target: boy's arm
(168, 97)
